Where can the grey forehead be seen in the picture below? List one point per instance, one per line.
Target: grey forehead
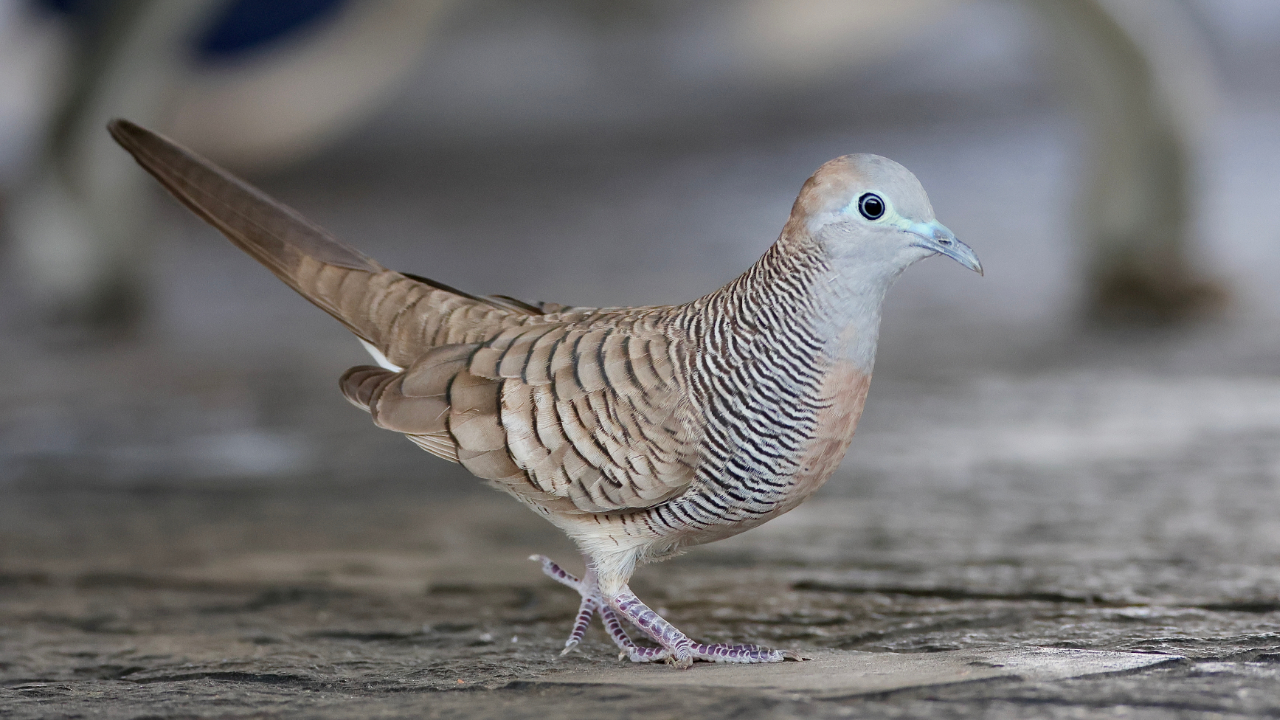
(895, 183)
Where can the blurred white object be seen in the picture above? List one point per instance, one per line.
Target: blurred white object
(33, 60)
(795, 40)
(276, 106)
(78, 228)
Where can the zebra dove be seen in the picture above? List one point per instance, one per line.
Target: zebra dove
(636, 431)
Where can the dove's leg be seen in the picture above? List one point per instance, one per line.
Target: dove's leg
(586, 587)
(620, 637)
(664, 633)
(677, 649)
(591, 603)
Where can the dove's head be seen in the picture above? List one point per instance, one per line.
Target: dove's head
(866, 211)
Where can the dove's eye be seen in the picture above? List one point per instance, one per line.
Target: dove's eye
(871, 206)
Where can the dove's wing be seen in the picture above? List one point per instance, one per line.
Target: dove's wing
(573, 415)
(400, 315)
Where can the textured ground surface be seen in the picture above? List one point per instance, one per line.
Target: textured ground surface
(221, 600)
(193, 523)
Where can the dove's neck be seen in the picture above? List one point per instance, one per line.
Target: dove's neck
(809, 299)
(852, 297)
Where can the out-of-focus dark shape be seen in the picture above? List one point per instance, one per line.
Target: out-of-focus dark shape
(1142, 78)
(77, 226)
(249, 25)
(252, 83)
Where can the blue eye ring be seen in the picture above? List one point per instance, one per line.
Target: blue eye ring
(871, 206)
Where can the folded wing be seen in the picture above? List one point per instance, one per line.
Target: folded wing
(585, 416)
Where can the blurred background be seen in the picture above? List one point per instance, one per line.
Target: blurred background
(1108, 394)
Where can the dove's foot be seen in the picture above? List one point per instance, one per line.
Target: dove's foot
(722, 653)
(718, 653)
(675, 647)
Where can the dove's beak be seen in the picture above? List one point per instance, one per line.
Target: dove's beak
(936, 237)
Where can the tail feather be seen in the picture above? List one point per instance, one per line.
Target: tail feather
(274, 234)
(400, 315)
(299, 252)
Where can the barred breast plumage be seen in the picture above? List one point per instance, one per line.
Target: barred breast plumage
(637, 431)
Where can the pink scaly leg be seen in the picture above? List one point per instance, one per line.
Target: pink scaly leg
(591, 603)
(678, 646)
(590, 598)
(629, 650)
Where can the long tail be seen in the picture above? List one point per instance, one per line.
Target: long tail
(299, 252)
(354, 289)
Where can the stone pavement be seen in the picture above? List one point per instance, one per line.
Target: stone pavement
(1123, 522)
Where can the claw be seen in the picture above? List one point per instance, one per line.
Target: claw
(681, 663)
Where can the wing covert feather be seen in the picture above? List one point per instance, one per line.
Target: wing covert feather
(589, 414)
(582, 422)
